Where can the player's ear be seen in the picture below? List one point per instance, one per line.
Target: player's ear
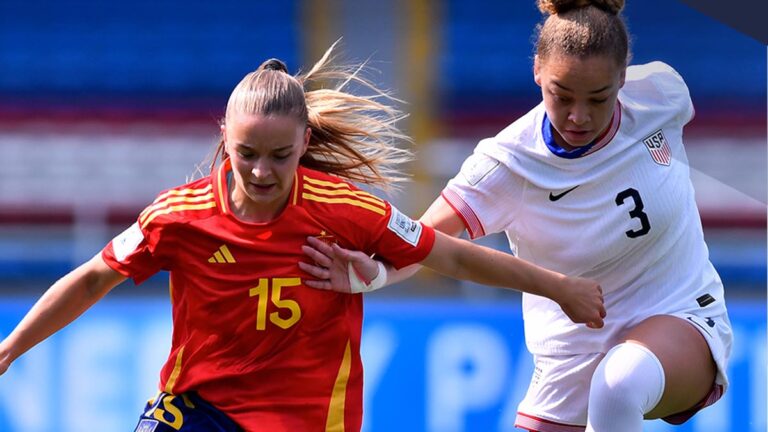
(223, 143)
(537, 70)
(307, 136)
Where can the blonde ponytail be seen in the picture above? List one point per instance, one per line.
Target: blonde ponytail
(355, 137)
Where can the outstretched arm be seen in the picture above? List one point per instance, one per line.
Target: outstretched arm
(581, 299)
(64, 301)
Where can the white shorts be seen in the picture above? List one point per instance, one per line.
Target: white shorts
(557, 397)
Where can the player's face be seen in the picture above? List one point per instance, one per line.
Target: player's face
(265, 152)
(579, 95)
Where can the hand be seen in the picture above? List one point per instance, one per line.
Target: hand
(5, 362)
(332, 265)
(582, 300)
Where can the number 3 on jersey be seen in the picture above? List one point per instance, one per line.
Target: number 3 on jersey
(636, 212)
(261, 292)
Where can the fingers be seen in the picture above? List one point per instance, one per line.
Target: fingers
(317, 256)
(595, 324)
(598, 322)
(320, 245)
(349, 255)
(332, 251)
(316, 271)
(340, 251)
(319, 284)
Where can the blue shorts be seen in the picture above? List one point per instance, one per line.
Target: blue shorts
(186, 412)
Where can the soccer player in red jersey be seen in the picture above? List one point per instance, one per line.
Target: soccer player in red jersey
(253, 347)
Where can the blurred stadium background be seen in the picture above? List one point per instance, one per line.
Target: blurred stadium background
(103, 104)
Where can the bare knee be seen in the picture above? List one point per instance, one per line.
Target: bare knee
(685, 357)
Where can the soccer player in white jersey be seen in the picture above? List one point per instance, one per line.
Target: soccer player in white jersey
(593, 182)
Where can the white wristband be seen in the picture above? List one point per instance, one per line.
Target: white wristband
(358, 286)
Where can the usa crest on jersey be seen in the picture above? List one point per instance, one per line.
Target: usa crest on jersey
(657, 145)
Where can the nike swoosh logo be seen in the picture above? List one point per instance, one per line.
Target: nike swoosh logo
(553, 197)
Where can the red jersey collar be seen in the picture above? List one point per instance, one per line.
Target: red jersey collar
(221, 191)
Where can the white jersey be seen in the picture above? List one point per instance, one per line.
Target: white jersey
(623, 214)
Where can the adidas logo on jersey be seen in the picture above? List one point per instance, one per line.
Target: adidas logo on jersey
(222, 256)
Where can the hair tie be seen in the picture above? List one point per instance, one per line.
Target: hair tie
(275, 65)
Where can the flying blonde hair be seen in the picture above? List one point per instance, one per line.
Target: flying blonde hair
(353, 136)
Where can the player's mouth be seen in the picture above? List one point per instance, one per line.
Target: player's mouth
(262, 189)
(579, 137)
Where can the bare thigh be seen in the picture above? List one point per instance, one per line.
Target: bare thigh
(689, 369)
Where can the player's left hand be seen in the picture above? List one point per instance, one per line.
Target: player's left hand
(332, 264)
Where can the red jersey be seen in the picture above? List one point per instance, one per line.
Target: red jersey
(248, 335)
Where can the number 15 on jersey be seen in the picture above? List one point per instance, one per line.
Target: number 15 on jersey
(274, 286)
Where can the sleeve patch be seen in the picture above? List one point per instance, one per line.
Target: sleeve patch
(476, 167)
(127, 241)
(405, 227)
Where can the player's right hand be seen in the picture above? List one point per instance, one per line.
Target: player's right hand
(582, 300)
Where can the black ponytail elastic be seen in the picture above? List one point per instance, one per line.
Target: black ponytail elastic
(275, 65)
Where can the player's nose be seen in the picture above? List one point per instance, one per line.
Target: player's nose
(260, 169)
(579, 115)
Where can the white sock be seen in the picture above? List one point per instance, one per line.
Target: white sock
(627, 383)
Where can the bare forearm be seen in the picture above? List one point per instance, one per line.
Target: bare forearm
(490, 267)
(394, 276)
(64, 301)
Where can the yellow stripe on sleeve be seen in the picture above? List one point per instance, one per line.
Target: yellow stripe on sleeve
(363, 196)
(159, 205)
(339, 186)
(326, 183)
(335, 420)
(172, 209)
(179, 192)
(349, 201)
